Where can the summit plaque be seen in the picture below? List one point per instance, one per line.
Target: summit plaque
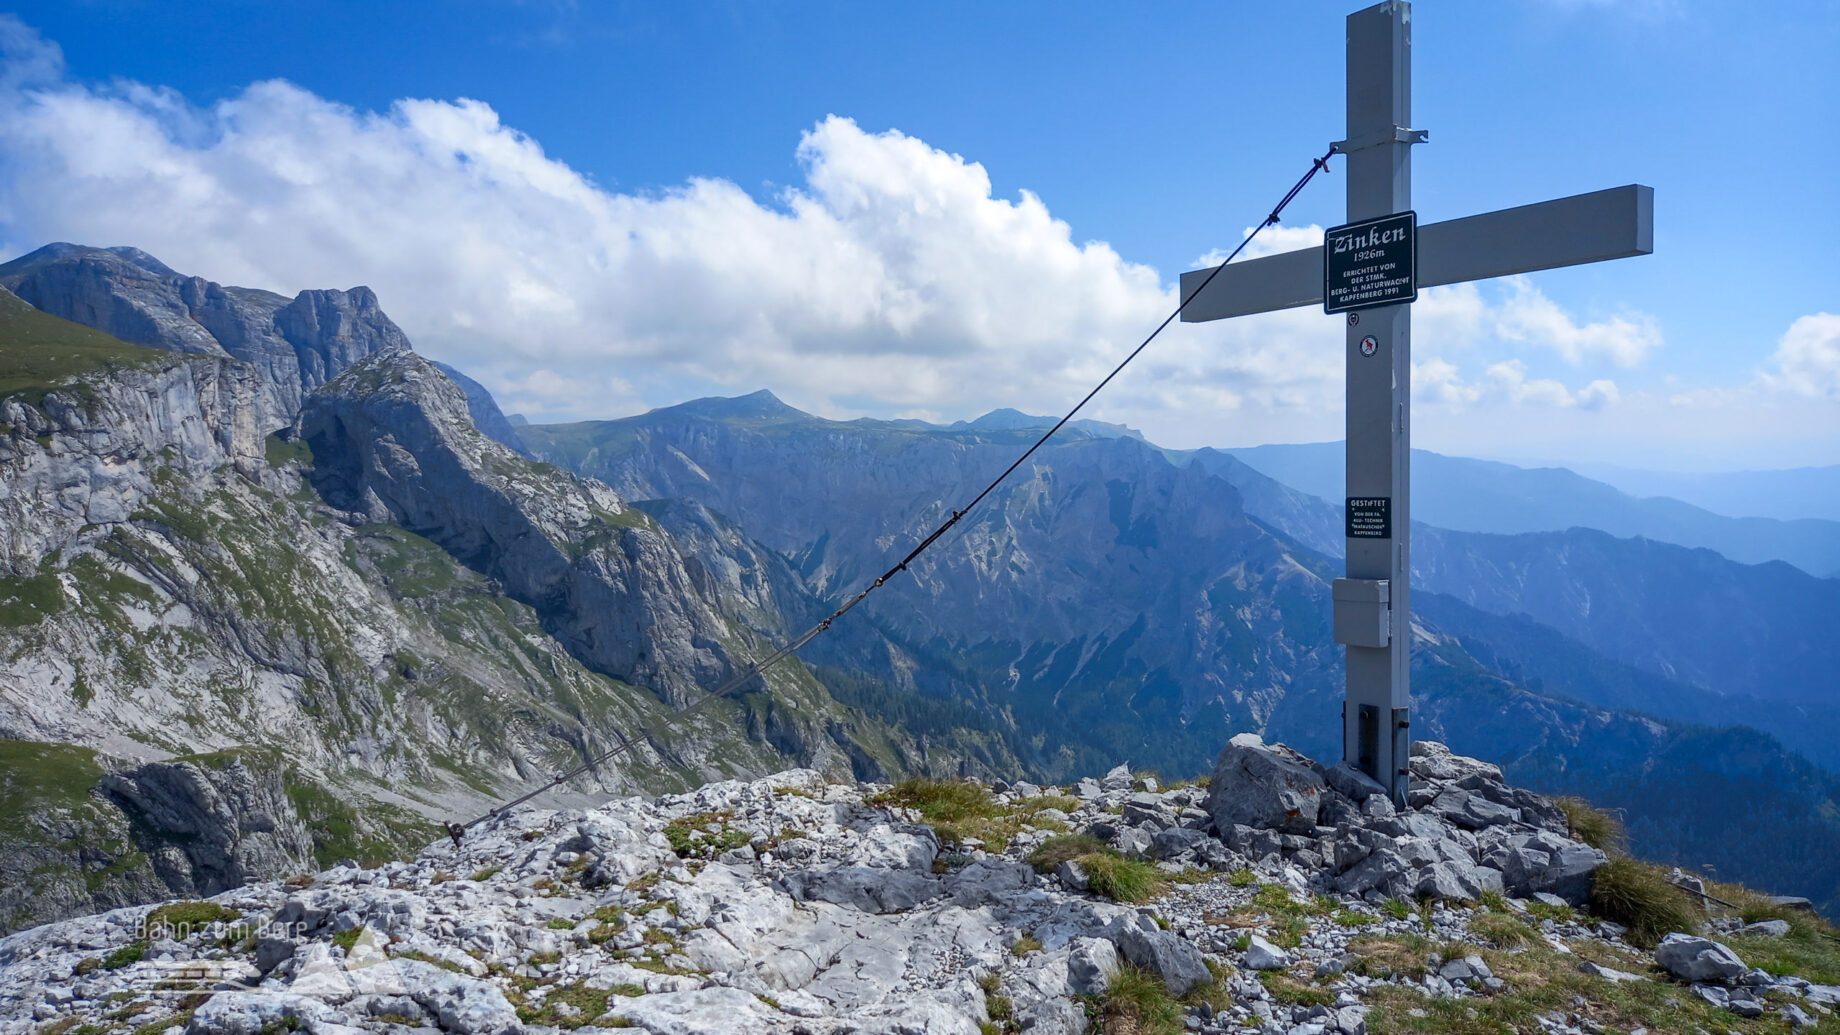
(1371, 263)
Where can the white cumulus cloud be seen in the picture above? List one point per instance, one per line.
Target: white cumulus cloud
(1530, 316)
(889, 280)
(1808, 358)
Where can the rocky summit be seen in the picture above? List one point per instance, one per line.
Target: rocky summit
(795, 905)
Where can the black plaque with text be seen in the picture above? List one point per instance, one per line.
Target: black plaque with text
(1373, 262)
(1370, 517)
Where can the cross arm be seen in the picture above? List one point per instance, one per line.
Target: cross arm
(1606, 224)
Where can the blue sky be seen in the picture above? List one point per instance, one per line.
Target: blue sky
(648, 202)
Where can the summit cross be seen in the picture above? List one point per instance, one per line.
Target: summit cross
(1373, 603)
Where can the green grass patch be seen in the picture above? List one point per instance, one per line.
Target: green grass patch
(1062, 847)
(1288, 989)
(1382, 956)
(1274, 898)
(586, 1006)
(181, 920)
(372, 832)
(126, 956)
(1121, 879)
(704, 835)
(1242, 878)
(36, 778)
(30, 600)
(1541, 980)
(1810, 949)
(280, 451)
(1351, 918)
(1501, 930)
(346, 939)
(1137, 1002)
(40, 352)
(957, 810)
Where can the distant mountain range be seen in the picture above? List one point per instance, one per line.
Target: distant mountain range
(1786, 494)
(1484, 496)
(1126, 596)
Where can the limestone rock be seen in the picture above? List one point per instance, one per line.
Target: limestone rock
(1091, 965)
(1611, 974)
(1695, 959)
(1180, 964)
(487, 417)
(1766, 928)
(1264, 786)
(1352, 783)
(1263, 955)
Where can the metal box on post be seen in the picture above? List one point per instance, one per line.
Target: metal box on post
(1363, 613)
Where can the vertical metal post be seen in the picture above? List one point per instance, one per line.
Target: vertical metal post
(1379, 441)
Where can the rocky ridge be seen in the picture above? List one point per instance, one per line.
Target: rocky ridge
(792, 905)
(294, 345)
(175, 593)
(394, 442)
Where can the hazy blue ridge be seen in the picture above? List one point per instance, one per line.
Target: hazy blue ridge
(1787, 494)
(1468, 495)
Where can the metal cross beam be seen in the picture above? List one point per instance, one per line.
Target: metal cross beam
(1373, 604)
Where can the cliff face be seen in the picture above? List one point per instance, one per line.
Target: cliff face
(87, 455)
(138, 832)
(294, 346)
(392, 439)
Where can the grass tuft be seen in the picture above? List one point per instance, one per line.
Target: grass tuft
(1062, 847)
(1592, 825)
(1125, 880)
(1138, 1002)
(941, 801)
(1287, 989)
(1639, 896)
(1501, 930)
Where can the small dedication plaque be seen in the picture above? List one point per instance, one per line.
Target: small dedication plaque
(1370, 263)
(1370, 517)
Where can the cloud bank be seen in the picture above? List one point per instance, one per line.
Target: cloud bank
(888, 282)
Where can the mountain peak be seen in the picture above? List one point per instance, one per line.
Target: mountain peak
(143, 260)
(1009, 419)
(755, 404)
